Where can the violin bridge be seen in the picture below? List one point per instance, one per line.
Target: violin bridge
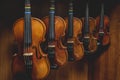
(101, 32)
(70, 41)
(51, 45)
(27, 54)
(86, 37)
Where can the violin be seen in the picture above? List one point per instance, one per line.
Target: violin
(30, 61)
(103, 28)
(89, 40)
(73, 30)
(56, 26)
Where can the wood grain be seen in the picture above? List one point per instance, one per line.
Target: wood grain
(6, 41)
(107, 66)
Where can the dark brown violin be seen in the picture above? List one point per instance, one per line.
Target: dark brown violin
(103, 28)
(90, 41)
(29, 32)
(73, 30)
(55, 30)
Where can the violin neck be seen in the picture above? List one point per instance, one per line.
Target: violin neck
(102, 16)
(51, 33)
(27, 24)
(27, 38)
(70, 20)
(86, 20)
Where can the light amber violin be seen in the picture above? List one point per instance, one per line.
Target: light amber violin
(60, 49)
(90, 41)
(93, 40)
(73, 30)
(30, 60)
(103, 27)
(55, 26)
(78, 50)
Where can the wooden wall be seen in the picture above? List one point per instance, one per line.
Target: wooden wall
(6, 41)
(104, 67)
(107, 66)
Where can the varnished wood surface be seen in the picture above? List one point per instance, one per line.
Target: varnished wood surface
(107, 66)
(6, 41)
(71, 71)
(104, 67)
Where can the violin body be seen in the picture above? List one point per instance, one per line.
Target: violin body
(77, 45)
(41, 66)
(93, 44)
(92, 39)
(61, 54)
(106, 37)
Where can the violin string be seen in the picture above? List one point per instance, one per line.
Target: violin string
(28, 41)
(27, 35)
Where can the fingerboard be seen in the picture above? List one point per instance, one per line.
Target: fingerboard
(102, 17)
(70, 20)
(27, 25)
(51, 33)
(86, 20)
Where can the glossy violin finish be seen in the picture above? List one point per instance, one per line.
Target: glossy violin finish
(30, 61)
(55, 30)
(103, 28)
(89, 40)
(73, 30)
(93, 39)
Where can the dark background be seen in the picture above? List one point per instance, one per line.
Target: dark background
(11, 10)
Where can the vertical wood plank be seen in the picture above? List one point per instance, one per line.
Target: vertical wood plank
(71, 71)
(5, 55)
(108, 64)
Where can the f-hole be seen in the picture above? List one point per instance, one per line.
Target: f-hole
(37, 52)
